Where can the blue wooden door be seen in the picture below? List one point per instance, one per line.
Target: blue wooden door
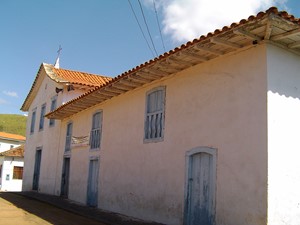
(65, 178)
(200, 190)
(36, 172)
(92, 189)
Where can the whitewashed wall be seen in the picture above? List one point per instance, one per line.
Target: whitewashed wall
(221, 104)
(283, 137)
(47, 139)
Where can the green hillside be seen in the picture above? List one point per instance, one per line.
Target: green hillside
(15, 124)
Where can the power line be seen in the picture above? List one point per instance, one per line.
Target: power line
(141, 29)
(147, 27)
(162, 41)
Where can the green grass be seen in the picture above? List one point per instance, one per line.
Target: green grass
(11, 123)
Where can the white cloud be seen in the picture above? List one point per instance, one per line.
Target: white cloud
(10, 93)
(185, 20)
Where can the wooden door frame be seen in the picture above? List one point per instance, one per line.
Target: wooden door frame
(35, 180)
(63, 171)
(188, 157)
(93, 158)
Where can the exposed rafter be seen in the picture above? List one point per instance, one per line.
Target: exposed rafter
(123, 86)
(148, 75)
(193, 55)
(268, 31)
(285, 35)
(225, 43)
(141, 80)
(157, 71)
(210, 50)
(107, 93)
(294, 45)
(179, 62)
(247, 34)
(115, 90)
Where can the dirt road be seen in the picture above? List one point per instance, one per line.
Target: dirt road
(19, 210)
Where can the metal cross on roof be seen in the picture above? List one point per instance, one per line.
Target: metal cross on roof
(56, 64)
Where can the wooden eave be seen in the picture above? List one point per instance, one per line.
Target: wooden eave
(274, 27)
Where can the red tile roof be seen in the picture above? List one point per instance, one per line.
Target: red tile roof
(63, 76)
(4, 135)
(81, 78)
(215, 43)
(14, 152)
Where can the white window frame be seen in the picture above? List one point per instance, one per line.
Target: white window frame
(96, 131)
(33, 119)
(155, 120)
(52, 108)
(69, 132)
(42, 117)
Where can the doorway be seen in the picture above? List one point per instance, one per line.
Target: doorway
(92, 187)
(65, 178)
(37, 167)
(200, 186)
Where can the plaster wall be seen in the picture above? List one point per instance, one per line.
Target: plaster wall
(7, 181)
(220, 104)
(283, 137)
(47, 139)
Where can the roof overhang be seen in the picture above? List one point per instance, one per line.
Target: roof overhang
(278, 28)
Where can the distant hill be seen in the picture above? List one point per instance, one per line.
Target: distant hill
(11, 123)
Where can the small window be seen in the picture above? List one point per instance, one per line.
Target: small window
(53, 107)
(68, 137)
(155, 114)
(42, 118)
(95, 137)
(32, 121)
(18, 173)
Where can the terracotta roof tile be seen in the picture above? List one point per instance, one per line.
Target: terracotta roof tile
(81, 78)
(14, 152)
(201, 40)
(63, 76)
(12, 136)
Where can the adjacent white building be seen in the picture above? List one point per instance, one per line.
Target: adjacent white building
(11, 169)
(202, 135)
(9, 141)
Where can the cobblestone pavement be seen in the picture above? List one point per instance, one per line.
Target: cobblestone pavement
(37, 208)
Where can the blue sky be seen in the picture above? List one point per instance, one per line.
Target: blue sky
(102, 36)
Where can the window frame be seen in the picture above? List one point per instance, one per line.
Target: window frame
(33, 119)
(18, 173)
(42, 117)
(96, 146)
(148, 139)
(68, 142)
(52, 108)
